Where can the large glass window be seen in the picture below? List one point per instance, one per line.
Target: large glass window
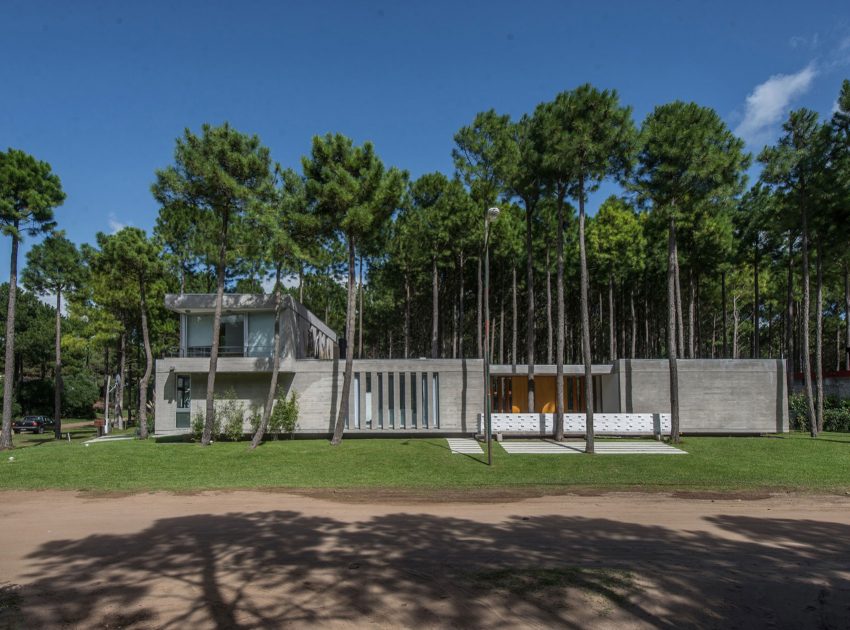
(402, 407)
(231, 336)
(413, 400)
(391, 398)
(424, 379)
(260, 341)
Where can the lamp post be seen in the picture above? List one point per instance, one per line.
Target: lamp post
(492, 215)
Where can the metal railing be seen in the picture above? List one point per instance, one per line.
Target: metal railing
(203, 352)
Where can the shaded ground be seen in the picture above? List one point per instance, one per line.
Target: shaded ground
(262, 559)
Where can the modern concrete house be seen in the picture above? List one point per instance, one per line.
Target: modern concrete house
(438, 396)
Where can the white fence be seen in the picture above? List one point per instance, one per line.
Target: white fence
(603, 423)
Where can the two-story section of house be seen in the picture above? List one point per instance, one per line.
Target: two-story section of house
(246, 346)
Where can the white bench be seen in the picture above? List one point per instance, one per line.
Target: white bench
(603, 423)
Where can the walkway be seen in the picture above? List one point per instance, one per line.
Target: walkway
(550, 447)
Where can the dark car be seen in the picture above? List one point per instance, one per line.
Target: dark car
(35, 424)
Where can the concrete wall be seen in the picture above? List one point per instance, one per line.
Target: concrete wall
(715, 396)
(834, 385)
(318, 384)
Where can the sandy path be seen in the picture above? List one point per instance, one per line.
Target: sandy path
(261, 559)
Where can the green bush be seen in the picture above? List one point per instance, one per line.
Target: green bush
(836, 414)
(198, 425)
(230, 416)
(284, 418)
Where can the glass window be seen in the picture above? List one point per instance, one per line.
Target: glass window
(368, 402)
(391, 398)
(435, 389)
(184, 391)
(184, 400)
(356, 385)
(413, 400)
(380, 400)
(424, 380)
(260, 341)
(402, 407)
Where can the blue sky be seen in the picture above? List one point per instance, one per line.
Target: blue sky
(102, 89)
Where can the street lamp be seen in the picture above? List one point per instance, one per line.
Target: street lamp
(491, 215)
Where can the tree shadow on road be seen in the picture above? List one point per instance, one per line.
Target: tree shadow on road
(264, 569)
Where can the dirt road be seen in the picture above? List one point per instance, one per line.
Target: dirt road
(262, 559)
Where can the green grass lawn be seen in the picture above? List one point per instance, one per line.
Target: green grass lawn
(788, 462)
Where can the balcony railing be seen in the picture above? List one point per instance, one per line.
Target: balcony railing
(203, 352)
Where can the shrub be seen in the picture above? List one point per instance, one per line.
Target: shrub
(836, 414)
(230, 416)
(198, 425)
(284, 418)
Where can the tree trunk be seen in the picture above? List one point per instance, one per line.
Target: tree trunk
(691, 314)
(530, 314)
(680, 324)
(57, 376)
(713, 334)
(847, 315)
(735, 326)
(360, 315)
(549, 344)
(559, 349)
(819, 337)
(756, 306)
(789, 318)
(513, 319)
(502, 333)
(460, 310)
(585, 325)
(122, 372)
(479, 336)
(209, 421)
(807, 363)
(435, 309)
(342, 413)
(301, 283)
(612, 339)
(9, 365)
(406, 316)
(723, 308)
(270, 397)
(634, 323)
(143, 385)
(672, 263)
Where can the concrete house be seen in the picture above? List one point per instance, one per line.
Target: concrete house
(440, 396)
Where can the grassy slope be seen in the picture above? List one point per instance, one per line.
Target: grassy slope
(787, 462)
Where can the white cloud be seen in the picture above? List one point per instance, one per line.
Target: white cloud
(769, 101)
(801, 41)
(115, 225)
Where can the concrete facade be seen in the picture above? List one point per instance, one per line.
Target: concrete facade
(454, 393)
(439, 396)
(715, 395)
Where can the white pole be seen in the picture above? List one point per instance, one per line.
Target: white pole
(106, 406)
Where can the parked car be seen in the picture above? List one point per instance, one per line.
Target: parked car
(35, 424)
